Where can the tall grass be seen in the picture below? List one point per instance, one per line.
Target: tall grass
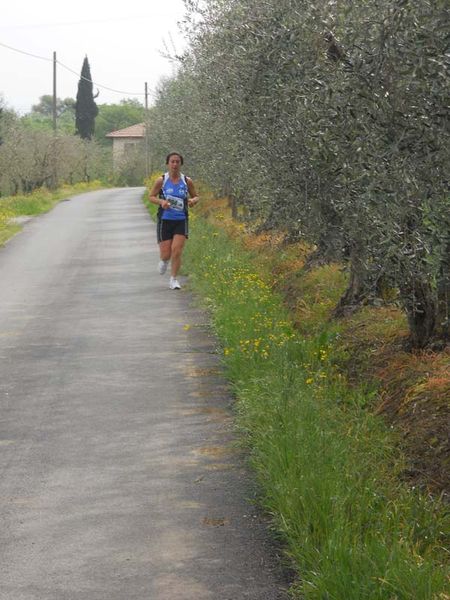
(328, 470)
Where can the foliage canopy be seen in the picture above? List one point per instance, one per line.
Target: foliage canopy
(329, 121)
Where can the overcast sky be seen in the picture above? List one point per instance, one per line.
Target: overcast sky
(123, 41)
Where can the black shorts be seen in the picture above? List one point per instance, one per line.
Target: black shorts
(166, 229)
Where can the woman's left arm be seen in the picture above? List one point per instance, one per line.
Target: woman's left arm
(193, 200)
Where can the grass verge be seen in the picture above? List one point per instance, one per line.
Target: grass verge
(39, 201)
(328, 468)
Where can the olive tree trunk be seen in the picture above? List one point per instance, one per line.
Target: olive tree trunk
(443, 292)
(357, 288)
(420, 304)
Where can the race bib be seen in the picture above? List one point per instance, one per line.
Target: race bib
(175, 203)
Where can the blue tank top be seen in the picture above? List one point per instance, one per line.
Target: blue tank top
(176, 194)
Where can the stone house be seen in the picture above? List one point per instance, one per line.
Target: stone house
(126, 140)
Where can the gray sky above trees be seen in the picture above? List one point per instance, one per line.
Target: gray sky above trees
(123, 41)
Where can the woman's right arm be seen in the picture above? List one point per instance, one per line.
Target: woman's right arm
(154, 194)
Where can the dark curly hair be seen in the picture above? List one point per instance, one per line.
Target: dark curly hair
(174, 154)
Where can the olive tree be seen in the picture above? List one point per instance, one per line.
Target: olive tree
(328, 121)
(31, 158)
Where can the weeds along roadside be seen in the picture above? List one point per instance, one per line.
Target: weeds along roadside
(35, 203)
(327, 468)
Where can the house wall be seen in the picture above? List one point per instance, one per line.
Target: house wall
(123, 145)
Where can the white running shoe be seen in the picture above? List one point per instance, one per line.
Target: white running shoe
(174, 285)
(162, 266)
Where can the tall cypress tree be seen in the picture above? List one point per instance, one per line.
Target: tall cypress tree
(85, 108)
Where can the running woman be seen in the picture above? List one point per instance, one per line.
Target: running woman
(174, 193)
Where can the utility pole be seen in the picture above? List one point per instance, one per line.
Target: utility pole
(147, 166)
(54, 92)
(54, 173)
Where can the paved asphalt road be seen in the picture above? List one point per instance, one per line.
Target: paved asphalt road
(119, 475)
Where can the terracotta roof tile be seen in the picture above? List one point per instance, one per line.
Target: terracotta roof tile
(137, 131)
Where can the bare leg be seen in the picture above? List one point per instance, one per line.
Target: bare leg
(165, 249)
(176, 251)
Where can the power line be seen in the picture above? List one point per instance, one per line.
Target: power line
(75, 23)
(98, 85)
(26, 53)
